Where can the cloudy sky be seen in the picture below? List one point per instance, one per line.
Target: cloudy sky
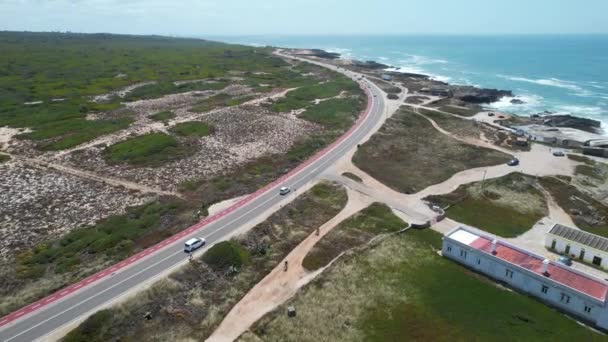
(250, 17)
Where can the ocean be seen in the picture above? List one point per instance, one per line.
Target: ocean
(561, 74)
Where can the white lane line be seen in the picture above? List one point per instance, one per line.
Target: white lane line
(132, 276)
(341, 146)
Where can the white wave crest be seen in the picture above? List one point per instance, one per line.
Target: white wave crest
(551, 82)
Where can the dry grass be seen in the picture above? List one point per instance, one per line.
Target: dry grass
(507, 206)
(196, 298)
(408, 154)
(397, 290)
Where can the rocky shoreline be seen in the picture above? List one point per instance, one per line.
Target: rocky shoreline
(461, 95)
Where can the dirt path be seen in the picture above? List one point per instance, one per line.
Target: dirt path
(98, 178)
(280, 285)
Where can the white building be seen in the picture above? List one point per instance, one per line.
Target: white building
(578, 244)
(563, 136)
(569, 290)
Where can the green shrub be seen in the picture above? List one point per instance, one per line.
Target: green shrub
(93, 329)
(150, 149)
(162, 116)
(192, 128)
(226, 254)
(4, 158)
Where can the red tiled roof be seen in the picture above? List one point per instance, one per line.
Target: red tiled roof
(587, 285)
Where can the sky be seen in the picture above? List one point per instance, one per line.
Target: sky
(306, 17)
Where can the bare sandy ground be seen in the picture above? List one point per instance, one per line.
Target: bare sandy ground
(280, 285)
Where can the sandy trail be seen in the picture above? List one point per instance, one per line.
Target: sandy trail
(280, 285)
(92, 176)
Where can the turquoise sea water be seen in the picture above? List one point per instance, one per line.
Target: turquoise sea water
(564, 74)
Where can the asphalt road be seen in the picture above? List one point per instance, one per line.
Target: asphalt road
(87, 296)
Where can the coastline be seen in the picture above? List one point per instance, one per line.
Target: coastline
(506, 103)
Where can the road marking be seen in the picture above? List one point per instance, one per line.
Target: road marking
(334, 147)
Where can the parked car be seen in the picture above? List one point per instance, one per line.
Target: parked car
(565, 260)
(490, 114)
(284, 190)
(558, 153)
(194, 244)
(513, 162)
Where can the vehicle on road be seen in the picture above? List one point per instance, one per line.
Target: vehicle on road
(565, 260)
(490, 114)
(284, 190)
(194, 244)
(513, 162)
(558, 153)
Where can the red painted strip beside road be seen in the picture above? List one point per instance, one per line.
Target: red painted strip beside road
(201, 224)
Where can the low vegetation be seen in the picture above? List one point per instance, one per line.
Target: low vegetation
(398, 290)
(352, 176)
(151, 149)
(408, 154)
(334, 113)
(218, 101)
(191, 303)
(48, 80)
(226, 255)
(302, 97)
(462, 111)
(159, 89)
(192, 128)
(353, 232)
(4, 158)
(81, 252)
(507, 206)
(587, 213)
(460, 127)
(64, 134)
(162, 116)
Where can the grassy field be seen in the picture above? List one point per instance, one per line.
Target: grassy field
(334, 113)
(453, 124)
(79, 253)
(460, 110)
(193, 301)
(303, 96)
(401, 290)
(408, 154)
(65, 70)
(151, 149)
(160, 89)
(192, 128)
(507, 206)
(352, 176)
(353, 232)
(162, 116)
(588, 213)
(218, 101)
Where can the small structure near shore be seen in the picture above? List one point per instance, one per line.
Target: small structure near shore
(578, 244)
(562, 136)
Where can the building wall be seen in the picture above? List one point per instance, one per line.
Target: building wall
(528, 282)
(575, 250)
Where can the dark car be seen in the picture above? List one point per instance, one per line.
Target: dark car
(565, 260)
(513, 162)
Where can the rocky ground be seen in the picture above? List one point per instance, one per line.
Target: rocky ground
(38, 203)
(242, 134)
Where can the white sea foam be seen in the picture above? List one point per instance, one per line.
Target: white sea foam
(551, 82)
(532, 104)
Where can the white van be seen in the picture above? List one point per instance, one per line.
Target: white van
(284, 190)
(193, 244)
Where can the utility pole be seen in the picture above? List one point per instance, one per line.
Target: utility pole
(483, 180)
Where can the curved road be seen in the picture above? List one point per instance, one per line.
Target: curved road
(41, 318)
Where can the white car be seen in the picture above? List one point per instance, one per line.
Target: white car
(284, 190)
(194, 244)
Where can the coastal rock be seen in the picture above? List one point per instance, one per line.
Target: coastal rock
(370, 65)
(324, 54)
(517, 102)
(479, 95)
(566, 120)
